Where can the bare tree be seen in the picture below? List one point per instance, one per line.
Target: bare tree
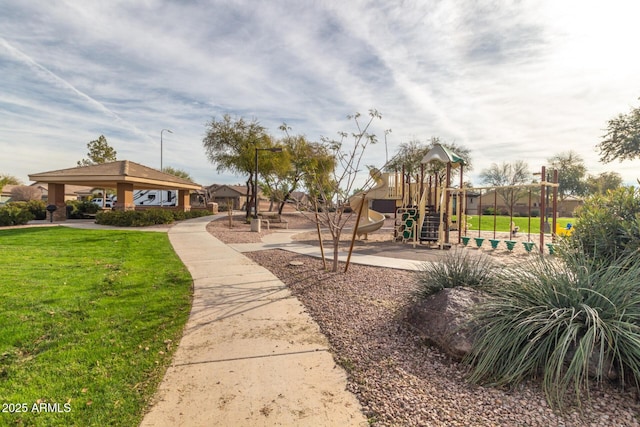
(508, 176)
(24, 193)
(330, 191)
(572, 179)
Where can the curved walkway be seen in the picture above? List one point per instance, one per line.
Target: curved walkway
(250, 355)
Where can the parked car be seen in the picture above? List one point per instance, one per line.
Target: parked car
(108, 203)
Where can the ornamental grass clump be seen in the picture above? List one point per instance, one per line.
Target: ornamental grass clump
(561, 321)
(459, 268)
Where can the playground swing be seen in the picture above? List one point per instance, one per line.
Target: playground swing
(479, 240)
(514, 228)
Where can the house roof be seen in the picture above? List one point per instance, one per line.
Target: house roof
(108, 175)
(240, 189)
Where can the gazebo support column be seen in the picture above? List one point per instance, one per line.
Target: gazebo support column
(56, 197)
(125, 197)
(183, 200)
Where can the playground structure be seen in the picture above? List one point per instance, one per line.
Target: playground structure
(428, 209)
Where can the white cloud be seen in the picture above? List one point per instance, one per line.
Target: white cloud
(509, 80)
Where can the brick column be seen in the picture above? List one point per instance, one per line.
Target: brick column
(125, 197)
(183, 200)
(56, 197)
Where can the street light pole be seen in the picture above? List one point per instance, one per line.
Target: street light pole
(255, 181)
(161, 146)
(168, 130)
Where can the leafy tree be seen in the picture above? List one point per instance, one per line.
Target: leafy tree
(602, 183)
(571, 179)
(410, 155)
(230, 145)
(508, 176)
(99, 152)
(177, 172)
(300, 161)
(622, 140)
(8, 180)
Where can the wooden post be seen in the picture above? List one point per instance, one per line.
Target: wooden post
(554, 214)
(355, 229)
(543, 206)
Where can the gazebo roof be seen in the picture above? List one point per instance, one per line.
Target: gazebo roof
(109, 175)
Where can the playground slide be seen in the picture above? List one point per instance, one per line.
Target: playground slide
(370, 220)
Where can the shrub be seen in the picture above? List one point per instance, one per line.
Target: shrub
(14, 215)
(488, 211)
(459, 268)
(80, 208)
(554, 320)
(37, 208)
(158, 216)
(608, 226)
(146, 217)
(535, 213)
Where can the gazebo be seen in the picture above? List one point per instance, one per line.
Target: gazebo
(123, 175)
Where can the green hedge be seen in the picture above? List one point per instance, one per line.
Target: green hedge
(14, 215)
(146, 217)
(19, 213)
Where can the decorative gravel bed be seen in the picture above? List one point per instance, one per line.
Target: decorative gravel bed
(399, 380)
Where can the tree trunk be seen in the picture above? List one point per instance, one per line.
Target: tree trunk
(249, 201)
(336, 246)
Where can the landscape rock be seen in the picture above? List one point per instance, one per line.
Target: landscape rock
(443, 319)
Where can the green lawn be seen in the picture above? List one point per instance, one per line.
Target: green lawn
(88, 318)
(502, 223)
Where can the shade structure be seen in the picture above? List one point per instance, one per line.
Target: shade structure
(444, 155)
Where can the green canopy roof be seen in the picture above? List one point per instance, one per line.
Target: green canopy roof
(444, 155)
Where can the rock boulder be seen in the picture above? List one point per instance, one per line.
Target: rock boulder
(443, 319)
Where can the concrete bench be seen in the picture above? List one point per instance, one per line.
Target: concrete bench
(273, 219)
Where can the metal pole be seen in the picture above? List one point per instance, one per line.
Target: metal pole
(168, 130)
(255, 189)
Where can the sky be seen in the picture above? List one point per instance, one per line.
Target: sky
(508, 80)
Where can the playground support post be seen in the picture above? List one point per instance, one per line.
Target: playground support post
(462, 220)
(495, 211)
(554, 214)
(529, 224)
(543, 205)
(447, 219)
(479, 212)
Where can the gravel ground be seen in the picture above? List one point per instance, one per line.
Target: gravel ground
(399, 380)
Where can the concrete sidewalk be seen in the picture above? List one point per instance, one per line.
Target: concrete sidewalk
(281, 239)
(250, 354)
